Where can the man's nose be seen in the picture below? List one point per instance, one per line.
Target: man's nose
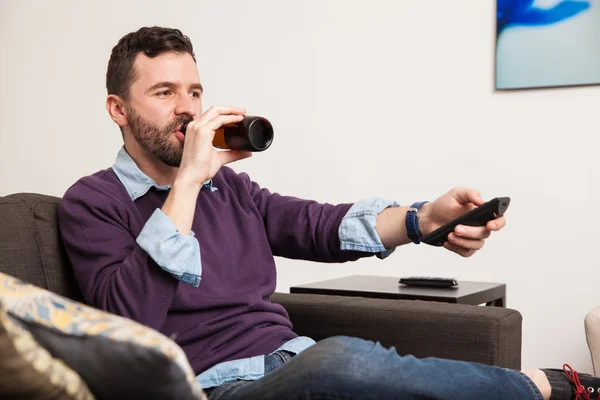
(185, 105)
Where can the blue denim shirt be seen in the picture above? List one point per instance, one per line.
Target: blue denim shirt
(180, 256)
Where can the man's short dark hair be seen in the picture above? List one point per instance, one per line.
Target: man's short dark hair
(152, 41)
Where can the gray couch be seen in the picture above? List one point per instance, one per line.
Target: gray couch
(31, 250)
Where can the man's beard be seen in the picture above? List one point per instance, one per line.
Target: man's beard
(155, 139)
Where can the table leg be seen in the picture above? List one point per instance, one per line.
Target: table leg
(501, 302)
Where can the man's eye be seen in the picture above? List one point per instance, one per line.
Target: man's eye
(164, 93)
(196, 95)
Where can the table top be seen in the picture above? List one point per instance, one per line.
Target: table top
(466, 292)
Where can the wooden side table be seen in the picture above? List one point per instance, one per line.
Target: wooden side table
(387, 287)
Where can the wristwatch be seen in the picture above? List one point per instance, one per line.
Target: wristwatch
(412, 222)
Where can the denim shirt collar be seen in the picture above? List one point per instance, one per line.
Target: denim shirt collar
(135, 181)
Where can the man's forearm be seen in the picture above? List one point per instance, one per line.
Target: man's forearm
(180, 205)
(391, 225)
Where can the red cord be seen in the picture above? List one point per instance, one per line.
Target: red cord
(580, 392)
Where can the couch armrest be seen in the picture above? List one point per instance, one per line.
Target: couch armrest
(592, 334)
(488, 335)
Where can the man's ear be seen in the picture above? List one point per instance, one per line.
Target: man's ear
(117, 110)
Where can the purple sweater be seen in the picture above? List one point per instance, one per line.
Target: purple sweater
(240, 227)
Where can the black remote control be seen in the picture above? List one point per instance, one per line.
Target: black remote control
(479, 216)
(428, 281)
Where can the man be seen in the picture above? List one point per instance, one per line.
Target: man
(173, 239)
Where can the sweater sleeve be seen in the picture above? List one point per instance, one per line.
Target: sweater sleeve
(113, 272)
(302, 229)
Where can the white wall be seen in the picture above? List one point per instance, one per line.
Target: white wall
(388, 98)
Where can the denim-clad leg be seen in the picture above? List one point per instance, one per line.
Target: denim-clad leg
(350, 368)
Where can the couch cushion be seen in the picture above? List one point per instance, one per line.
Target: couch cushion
(32, 249)
(115, 356)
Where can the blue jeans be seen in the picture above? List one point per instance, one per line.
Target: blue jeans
(349, 368)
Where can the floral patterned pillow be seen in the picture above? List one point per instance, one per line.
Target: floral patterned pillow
(28, 371)
(115, 356)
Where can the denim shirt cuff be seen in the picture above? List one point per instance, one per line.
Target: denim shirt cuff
(247, 368)
(172, 251)
(357, 230)
(297, 345)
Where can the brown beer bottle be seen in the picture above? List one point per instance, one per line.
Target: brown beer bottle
(250, 134)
